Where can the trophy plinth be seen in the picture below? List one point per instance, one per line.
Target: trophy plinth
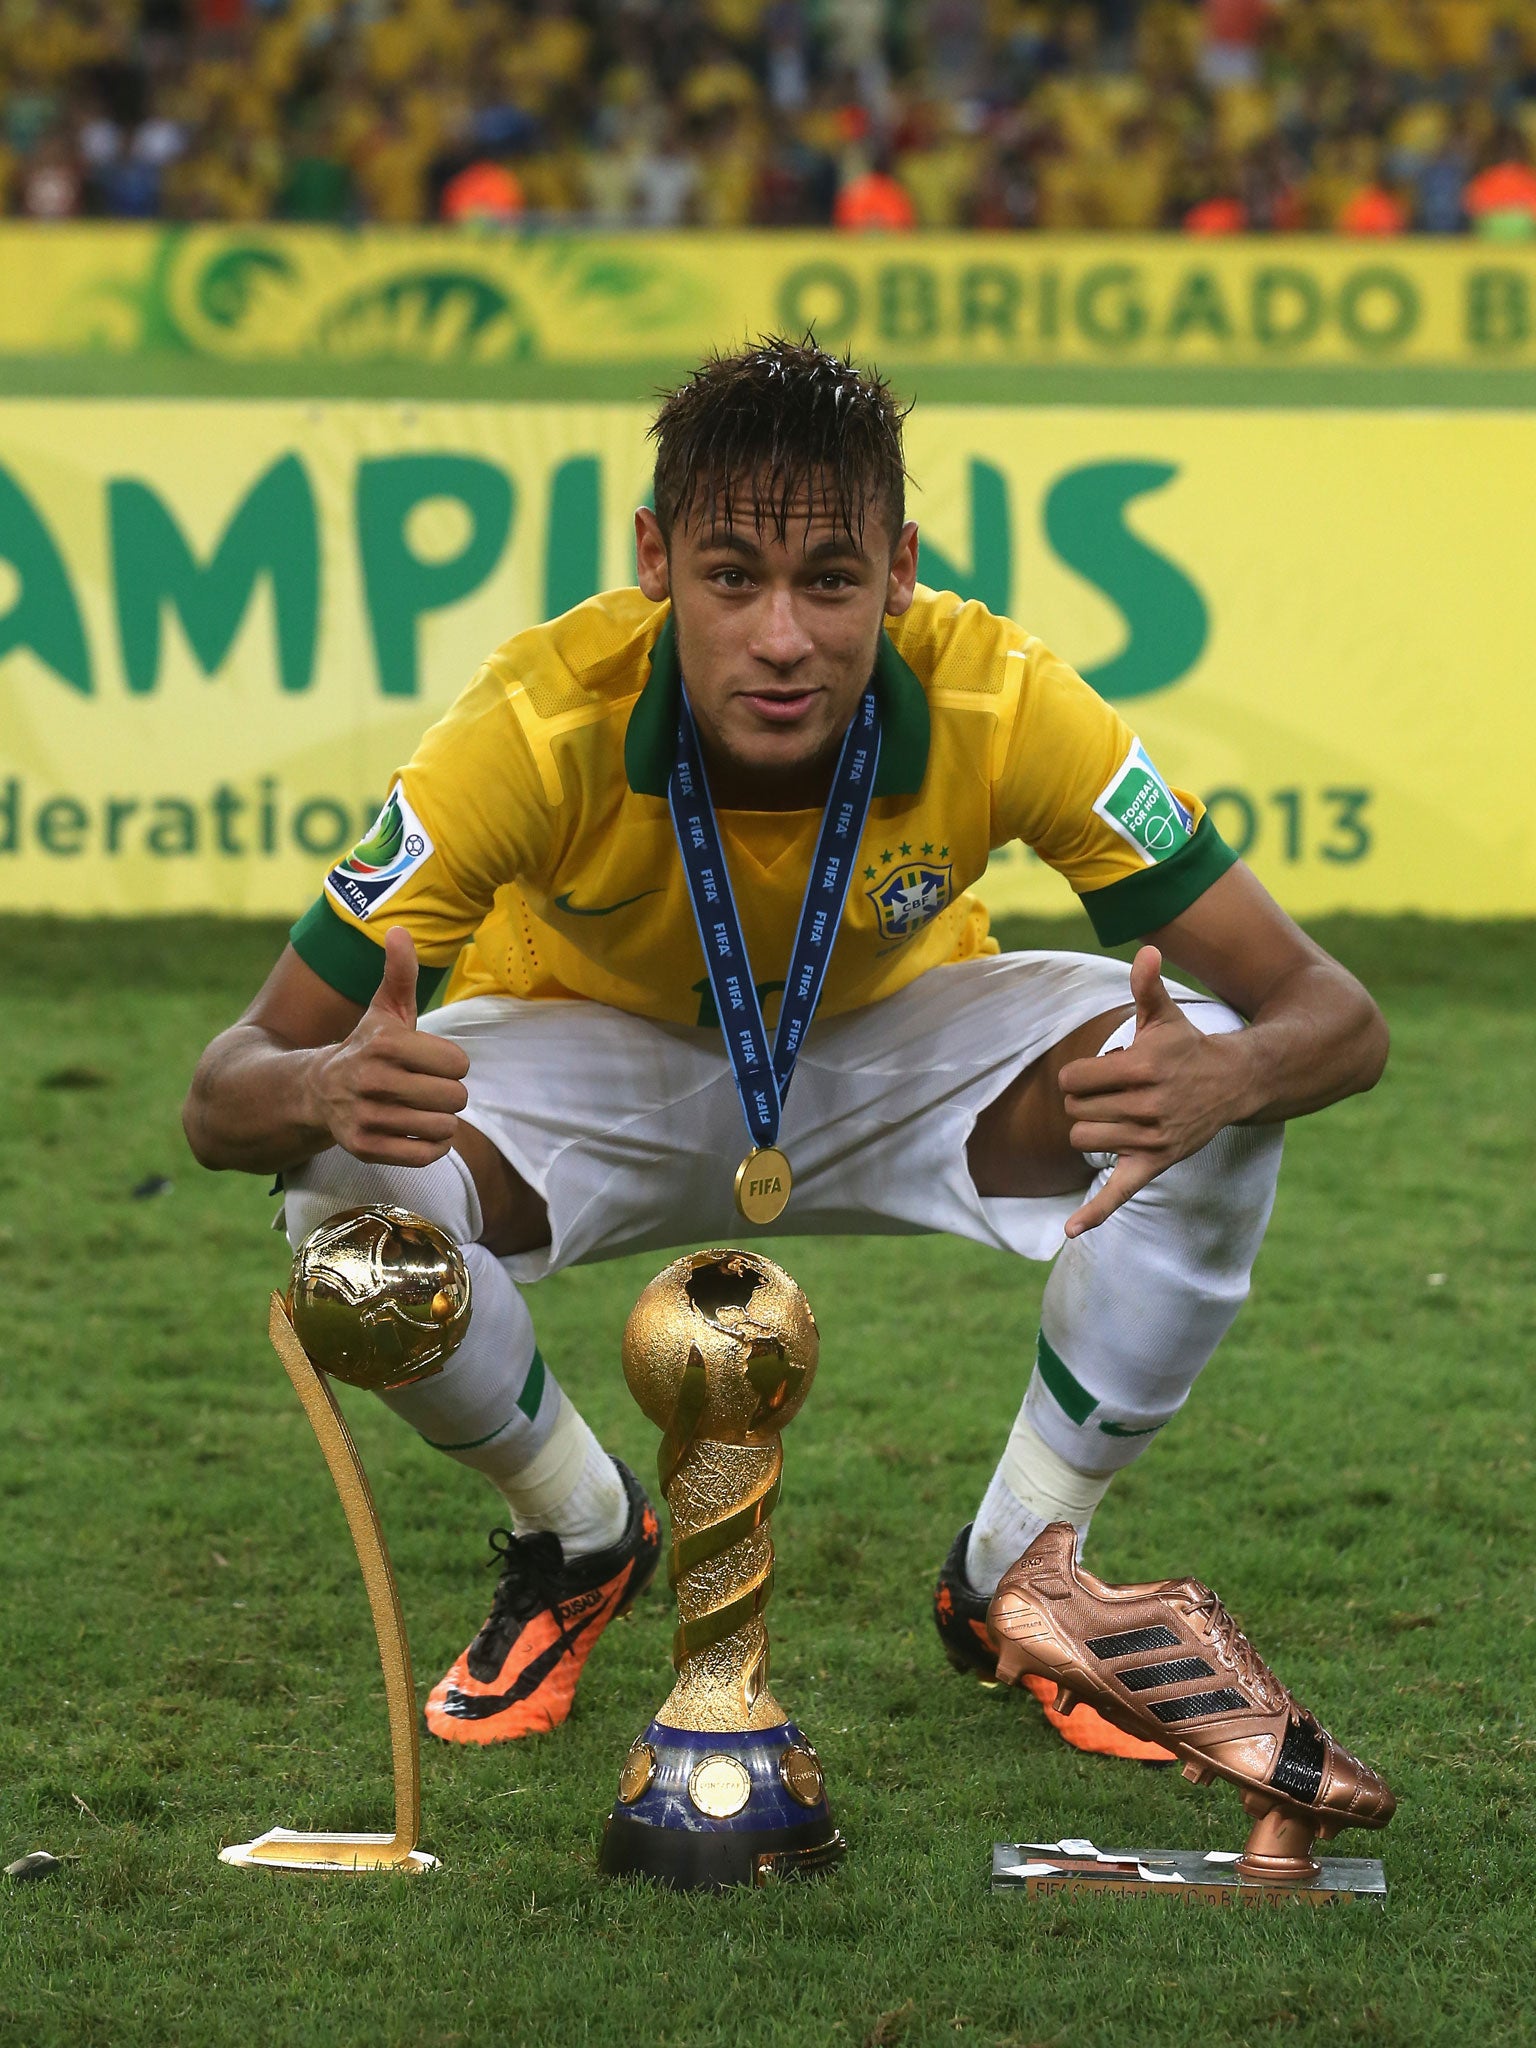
(722, 1788)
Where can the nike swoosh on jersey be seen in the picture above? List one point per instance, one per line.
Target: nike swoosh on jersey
(602, 909)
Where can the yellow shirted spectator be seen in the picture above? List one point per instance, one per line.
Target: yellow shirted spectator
(941, 179)
(557, 44)
(1464, 31)
(732, 171)
(553, 182)
(391, 172)
(394, 47)
(720, 82)
(1245, 114)
(427, 114)
(1133, 195)
(277, 53)
(738, 19)
(1402, 36)
(1067, 191)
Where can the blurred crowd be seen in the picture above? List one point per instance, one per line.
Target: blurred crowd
(1353, 116)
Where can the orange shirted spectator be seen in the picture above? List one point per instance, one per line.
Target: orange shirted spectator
(1226, 216)
(482, 194)
(1502, 201)
(874, 201)
(1373, 210)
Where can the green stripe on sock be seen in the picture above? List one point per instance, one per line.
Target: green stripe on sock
(1070, 1395)
(474, 1442)
(529, 1401)
(533, 1387)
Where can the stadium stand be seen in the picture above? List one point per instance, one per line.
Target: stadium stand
(1366, 117)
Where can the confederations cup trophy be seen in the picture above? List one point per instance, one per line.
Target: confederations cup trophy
(722, 1788)
(378, 1298)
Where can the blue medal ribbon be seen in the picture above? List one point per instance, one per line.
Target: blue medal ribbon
(762, 1078)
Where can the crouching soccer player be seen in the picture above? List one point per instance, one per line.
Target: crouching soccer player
(607, 844)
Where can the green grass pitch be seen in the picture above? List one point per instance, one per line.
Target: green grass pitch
(187, 1657)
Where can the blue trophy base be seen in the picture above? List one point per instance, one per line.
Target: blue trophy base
(701, 1811)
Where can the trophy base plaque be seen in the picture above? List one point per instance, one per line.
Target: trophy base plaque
(1189, 1877)
(706, 1811)
(326, 1855)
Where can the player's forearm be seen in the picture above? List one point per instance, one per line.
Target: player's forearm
(1315, 1038)
(252, 1106)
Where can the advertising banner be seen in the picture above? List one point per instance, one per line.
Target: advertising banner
(249, 295)
(223, 625)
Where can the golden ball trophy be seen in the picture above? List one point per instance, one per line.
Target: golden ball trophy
(378, 1298)
(722, 1789)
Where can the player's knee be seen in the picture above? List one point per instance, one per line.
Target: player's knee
(444, 1193)
(1222, 1197)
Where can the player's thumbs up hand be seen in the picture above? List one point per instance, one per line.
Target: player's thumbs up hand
(1154, 1005)
(1151, 1103)
(389, 1093)
(396, 993)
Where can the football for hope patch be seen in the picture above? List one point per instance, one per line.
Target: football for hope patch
(395, 847)
(1140, 806)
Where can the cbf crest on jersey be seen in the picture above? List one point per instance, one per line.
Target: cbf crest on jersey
(911, 896)
(377, 866)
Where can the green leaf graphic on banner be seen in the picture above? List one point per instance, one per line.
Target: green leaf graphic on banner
(435, 315)
(226, 288)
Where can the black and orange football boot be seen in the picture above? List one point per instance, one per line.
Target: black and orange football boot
(518, 1677)
(960, 1615)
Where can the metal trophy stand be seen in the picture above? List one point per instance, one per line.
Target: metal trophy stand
(340, 1854)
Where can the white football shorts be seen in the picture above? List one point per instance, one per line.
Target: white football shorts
(632, 1131)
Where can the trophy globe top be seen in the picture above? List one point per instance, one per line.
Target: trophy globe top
(728, 1336)
(379, 1297)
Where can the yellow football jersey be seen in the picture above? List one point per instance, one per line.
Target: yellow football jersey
(528, 845)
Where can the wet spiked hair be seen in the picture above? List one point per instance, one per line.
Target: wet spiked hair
(780, 429)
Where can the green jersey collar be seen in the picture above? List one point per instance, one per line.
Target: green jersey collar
(650, 741)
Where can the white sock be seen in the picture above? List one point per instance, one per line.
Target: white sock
(495, 1405)
(572, 1488)
(1031, 1488)
(1132, 1312)
(498, 1407)
(1134, 1309)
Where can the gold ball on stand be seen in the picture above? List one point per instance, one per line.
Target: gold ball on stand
(379, 1297)
(724, 1342)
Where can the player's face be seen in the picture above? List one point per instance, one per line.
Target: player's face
(776, 638)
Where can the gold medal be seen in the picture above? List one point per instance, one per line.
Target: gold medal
(763, 1182)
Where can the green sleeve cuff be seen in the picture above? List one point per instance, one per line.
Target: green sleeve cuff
(347, 960)
(1138, 904)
